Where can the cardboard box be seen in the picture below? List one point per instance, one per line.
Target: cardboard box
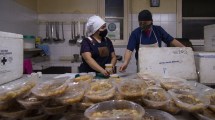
(11, 56)
(168, 61)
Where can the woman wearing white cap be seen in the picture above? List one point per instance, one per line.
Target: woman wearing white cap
(96, 50)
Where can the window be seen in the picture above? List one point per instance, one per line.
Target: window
(196, 15)
(116, 14)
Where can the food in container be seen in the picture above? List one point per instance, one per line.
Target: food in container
(5, 105)
(15, 112)
(100, 91)
(83, 78)
(53, 107)
(30, 101)
(210, 94)
(51, 88)
(206, 114)
(75, 116)
(132, 89)
(173, 83)
(74, 93)
(115, 109)
(156, 97)
(15, 89)
(171, 107)
(153, 114)
(35, 114)
(189, 101)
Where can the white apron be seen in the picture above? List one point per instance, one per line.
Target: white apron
(149, 45)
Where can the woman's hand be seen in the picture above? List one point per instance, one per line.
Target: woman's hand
(105, 72)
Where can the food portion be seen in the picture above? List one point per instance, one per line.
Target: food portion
(100, 91)
(73, 94)
(30, 101)
(14, 91)
(155, 97)
(50, 88)
(189, 101)
(123, 113)
(83, 78)
(132, 89)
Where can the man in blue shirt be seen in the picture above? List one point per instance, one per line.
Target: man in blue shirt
(147, 35)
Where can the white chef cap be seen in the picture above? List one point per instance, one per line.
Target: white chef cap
(93, 24)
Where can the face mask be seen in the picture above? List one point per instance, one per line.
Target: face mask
(145, 26)
(103, 33)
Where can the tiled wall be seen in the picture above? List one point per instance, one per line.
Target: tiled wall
(16, 18)
(167, 21)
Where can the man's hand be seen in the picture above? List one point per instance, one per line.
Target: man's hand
(123, 67)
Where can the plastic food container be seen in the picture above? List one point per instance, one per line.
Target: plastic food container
(75, 116)
(115, 109)
(171, 107)
(51, 88)
(73, 94)
(152, 114)
(83, 78)
(132, 88)
(15, 112)
(189, 101)
(210, 94)
(54, 108)
(173, 83)
(30, 101)
(16, 88)
(100, 91)
(35, 115)
(156, 97)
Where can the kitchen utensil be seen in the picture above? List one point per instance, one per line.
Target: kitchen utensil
(72, 40)
(63, 39)
(57, 32)
(47, 33)
(52, 31)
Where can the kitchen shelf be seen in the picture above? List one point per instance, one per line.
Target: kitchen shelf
(32, 50)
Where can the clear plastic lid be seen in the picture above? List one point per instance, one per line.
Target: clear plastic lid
(156, 97)
(100, 91)
(16, 88)
(132, 88)
(115, 109)
(51, 88)
(189, 101)
(73, 94)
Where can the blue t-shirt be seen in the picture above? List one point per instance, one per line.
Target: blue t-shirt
(159, 32)
(92, 47)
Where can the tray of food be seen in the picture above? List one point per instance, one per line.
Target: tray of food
(115, 109)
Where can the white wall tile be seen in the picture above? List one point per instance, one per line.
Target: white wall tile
(164, 17)
(156, 17)
(172, 17)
